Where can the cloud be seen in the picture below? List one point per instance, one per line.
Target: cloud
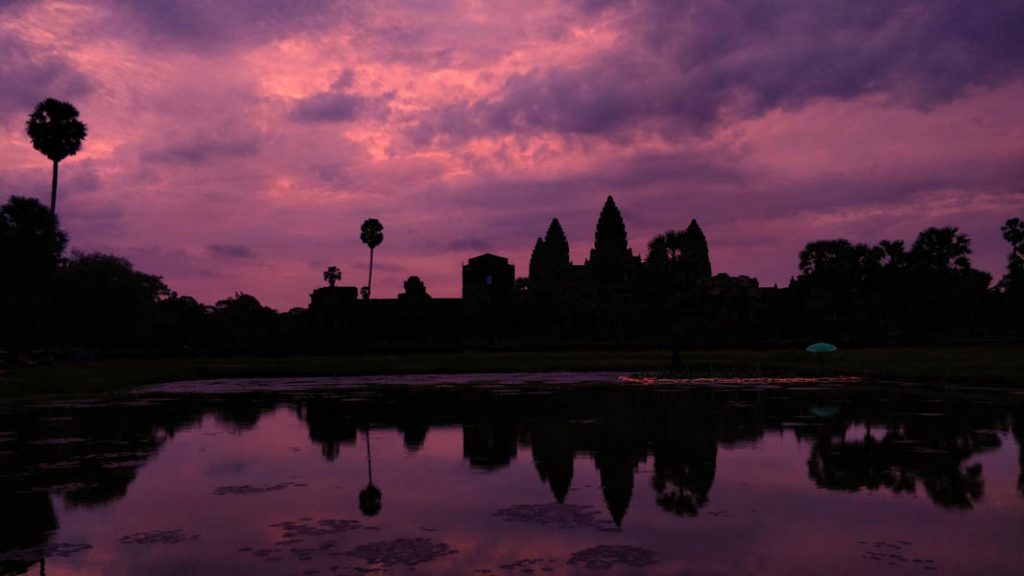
(339, 104)
(204, 147)
(204, 25)
(32, 74)
(680, 67)
(470, 243)
(231, 251)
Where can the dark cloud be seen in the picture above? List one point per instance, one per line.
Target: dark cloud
(469, 243)
(205, 147)
(238, 251)
(338, 104)
(203, 25)
(684, 66)
(32, 74)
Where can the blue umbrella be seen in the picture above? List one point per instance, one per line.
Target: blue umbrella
(821, 347)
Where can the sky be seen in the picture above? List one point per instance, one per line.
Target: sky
(237, 145)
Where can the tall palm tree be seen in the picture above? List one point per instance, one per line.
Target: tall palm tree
(57, 132)
(372, 234)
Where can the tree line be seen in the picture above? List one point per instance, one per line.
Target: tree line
(83, 303)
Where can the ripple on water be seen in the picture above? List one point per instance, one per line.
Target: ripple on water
(557, 515)
(894, 553)
(248, 489)
(406, 551)
(158, 537)
(58, 549)
(606, 556)
(294, 535)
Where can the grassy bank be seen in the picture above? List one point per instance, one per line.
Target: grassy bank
(1002, 366)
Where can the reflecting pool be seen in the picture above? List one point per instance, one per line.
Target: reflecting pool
(513, 475)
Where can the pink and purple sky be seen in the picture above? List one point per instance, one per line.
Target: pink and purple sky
(237, 145)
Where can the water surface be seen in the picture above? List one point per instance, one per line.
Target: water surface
(493, 476)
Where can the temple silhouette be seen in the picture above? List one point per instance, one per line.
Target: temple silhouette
(614, 296)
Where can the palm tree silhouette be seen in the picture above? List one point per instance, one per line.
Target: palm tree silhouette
(372, 234)
(369, 497)
(332, 275)
(56, 132)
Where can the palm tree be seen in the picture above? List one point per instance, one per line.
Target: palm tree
(332, 275)
(372, 234)
(56, 132)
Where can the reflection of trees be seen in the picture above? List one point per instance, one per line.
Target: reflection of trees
(243, 413)
(684, 470)
(927, 450)
(27, 521)
(489, 444)
(684, 436)
(328, 426)
(88, 454)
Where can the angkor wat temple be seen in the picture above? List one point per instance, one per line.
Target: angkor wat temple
(613, 297)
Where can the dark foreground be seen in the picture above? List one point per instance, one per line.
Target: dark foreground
(974, 366)
(472, 477)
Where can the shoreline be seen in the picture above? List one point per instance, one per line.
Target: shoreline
(998, 366)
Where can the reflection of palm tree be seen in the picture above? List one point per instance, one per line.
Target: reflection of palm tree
(372, 234)
(369, 497)
(57, 132)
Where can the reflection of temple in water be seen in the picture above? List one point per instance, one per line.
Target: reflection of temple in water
(88, 454)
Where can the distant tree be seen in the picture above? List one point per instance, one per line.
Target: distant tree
(372, 234)
(242, 323)
(1013, 281)
(941, 250)
(30, 238)
(101, 300)
(835, 286)
(31, 246)
(332, 275)
(56, 131)
(664, 251)
(680, 255)
(893, 254)
(181, 323)
(837, 263)
(944, 290)
(415, 290)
